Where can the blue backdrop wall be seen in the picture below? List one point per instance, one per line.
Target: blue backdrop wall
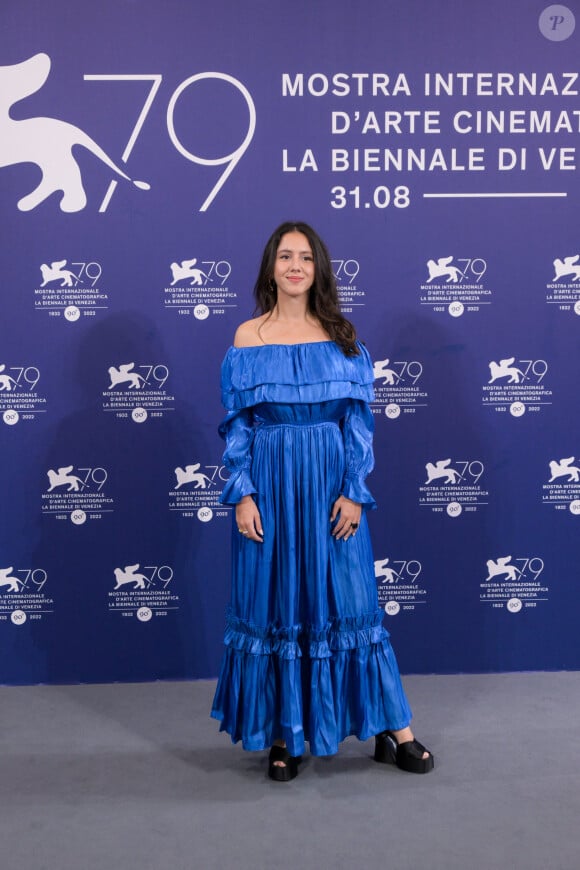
(147, 150)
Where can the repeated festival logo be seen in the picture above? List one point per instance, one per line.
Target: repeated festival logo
(517, 385)
(561, 490)
(455, 285)
(514, 583)
(77, 494)
(563, 290)
(20, 399)
(23, 595)
(200, 287)
(351, 295)
(137, 392)
(143, 592)
(399, 387)
(453, 486)
(71, 290)
(398, 585)
(196, 491)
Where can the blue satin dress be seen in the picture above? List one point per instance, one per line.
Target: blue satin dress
(307, 657)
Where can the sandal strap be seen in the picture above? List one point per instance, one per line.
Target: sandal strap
(412, 748)
(279, 753)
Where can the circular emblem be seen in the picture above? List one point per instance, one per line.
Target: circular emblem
(557, 22)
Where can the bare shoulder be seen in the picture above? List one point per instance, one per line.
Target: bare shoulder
(247, 334)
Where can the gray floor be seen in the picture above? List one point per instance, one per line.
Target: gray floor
(137, 776)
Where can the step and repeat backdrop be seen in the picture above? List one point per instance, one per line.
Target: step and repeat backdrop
(147, 151)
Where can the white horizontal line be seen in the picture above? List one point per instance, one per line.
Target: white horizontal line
(510, 401)
(503, 600)
(487, 195)
(404, 601)
(465, 504)
(193, 509)
(190, 305)
(32, 612)
(136, 608)
(81, 308)
(6, 610)
(88, 510)
(96, 77)
(149, 410)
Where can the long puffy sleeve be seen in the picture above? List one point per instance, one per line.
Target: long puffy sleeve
(238, 432)
(357, 430)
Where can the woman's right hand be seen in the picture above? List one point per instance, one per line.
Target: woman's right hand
(248, 520)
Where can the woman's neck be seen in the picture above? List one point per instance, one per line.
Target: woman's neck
(292, 311)
(290, 324)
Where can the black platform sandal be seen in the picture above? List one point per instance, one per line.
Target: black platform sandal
(407, 756)
(291, 762)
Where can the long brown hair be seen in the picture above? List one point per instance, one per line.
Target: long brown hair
(322, 296)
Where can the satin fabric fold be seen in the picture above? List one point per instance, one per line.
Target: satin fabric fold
(288, 373)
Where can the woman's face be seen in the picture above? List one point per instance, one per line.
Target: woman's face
(294, 265)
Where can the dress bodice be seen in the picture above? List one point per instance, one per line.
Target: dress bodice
(297, 384)
(294, 373)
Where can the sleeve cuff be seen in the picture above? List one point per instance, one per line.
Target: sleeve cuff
(239, 485)
(355, 489)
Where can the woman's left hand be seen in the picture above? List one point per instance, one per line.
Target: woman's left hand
(349, 514)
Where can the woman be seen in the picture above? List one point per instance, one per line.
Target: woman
(307, 657)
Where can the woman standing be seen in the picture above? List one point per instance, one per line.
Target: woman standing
(307, 657)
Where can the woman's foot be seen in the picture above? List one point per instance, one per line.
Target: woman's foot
(401, 748)
(405, 735)
(282, 767)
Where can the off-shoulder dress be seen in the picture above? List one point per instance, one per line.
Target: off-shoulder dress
(307, 657)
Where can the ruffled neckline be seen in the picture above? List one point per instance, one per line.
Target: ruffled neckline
(304, 372)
